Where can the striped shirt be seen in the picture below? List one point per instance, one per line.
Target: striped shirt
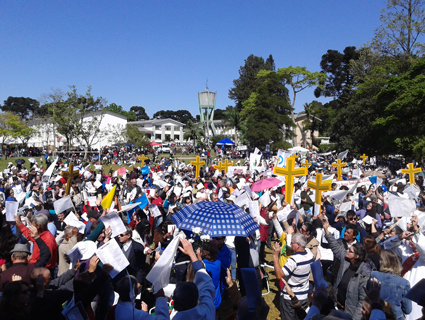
(297, 271)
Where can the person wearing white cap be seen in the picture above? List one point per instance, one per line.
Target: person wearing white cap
(201, 195)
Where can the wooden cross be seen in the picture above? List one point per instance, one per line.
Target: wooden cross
(411, 172)
(70, 174)
(319, 187)
(289, 173)
(224, 165)
(306, 163)
(142, 158)
(364, 157)
(198, 163)
(339, 165)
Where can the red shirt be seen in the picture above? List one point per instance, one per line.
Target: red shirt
(49, 240)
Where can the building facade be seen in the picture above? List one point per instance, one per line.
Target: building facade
(161, 130)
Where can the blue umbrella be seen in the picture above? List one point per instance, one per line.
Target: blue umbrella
(226, 142)
(216, 218)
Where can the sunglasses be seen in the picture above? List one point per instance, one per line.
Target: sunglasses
(122, 235)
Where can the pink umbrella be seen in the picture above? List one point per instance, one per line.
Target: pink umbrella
(265, 184)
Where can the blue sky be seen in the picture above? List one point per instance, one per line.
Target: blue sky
(158, 54)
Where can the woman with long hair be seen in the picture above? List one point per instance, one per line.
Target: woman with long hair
(393, 287)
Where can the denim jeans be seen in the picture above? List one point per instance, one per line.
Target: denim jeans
(233, 263)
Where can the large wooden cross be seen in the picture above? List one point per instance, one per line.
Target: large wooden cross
(319, 187)
(289, 173)
(338, 166)
(142, 159)
(364, 157)
(69, 175)
(198, 164)
(223, 165)
(411, 172)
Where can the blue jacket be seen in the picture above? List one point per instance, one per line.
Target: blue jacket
(393, 290)
(214, 270)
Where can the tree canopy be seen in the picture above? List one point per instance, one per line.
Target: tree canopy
(182, 116)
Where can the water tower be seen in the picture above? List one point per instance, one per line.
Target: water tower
(206, 110)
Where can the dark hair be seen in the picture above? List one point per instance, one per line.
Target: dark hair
(361, 252)
(354, 228)
(344, 188)
(318, 223)
(123, 288)
(7, 242)
(311, 228)
(8, 302)
(211, 250)
(185, 296)
(143, 227)
(350, 213)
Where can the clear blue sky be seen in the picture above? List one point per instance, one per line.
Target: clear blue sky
(158, 54)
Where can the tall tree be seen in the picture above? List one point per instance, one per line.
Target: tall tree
(340, 81)
(140, 113)
(193, 131)
(266, 111)
(233, 119)
(131, 116)
(403, 25)
(402, 100)
(26, 108)
(182, 116)
(8, 121)
(299, 79)
(133, 135)
(247, 81)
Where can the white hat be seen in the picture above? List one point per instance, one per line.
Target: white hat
(87, 249)
(200, 186)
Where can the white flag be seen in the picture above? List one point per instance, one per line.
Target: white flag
(62, 204)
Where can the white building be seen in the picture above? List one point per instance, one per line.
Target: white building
(161, 130)
(108, 122)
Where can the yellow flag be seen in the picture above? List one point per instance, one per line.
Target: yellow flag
(107, 201)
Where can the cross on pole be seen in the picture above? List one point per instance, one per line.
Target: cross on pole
(198, 163)
(142, 158)
(319, 187)
(364, 157)
(306, 163)
(339, 165)
(289, 173)
(220, 167)
(411, 172)
(69, 175)
(226, 165)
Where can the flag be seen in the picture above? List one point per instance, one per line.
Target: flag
(107, 201)
(342, 155)
(282, 155)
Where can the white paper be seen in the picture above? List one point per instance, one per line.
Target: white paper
(316, 209)
(89, 185)
(345, 206)
(74, 255)
(112, 254)
(253, 208)
(11, 210)
(98, 177)
(113, 220)
(62, 204)
(92, 201)
(154, 209)
(159, 275)
(98, 167)
(400, 207)
(177, 191)
(71, 220)
(283, 214)
(97, 184)
(242, 200)
(130, 206)
(265, 199)
(248, 191)
(236, 192)
(337, 194)
(367, 219)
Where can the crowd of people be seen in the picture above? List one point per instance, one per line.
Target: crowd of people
(100, 243)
